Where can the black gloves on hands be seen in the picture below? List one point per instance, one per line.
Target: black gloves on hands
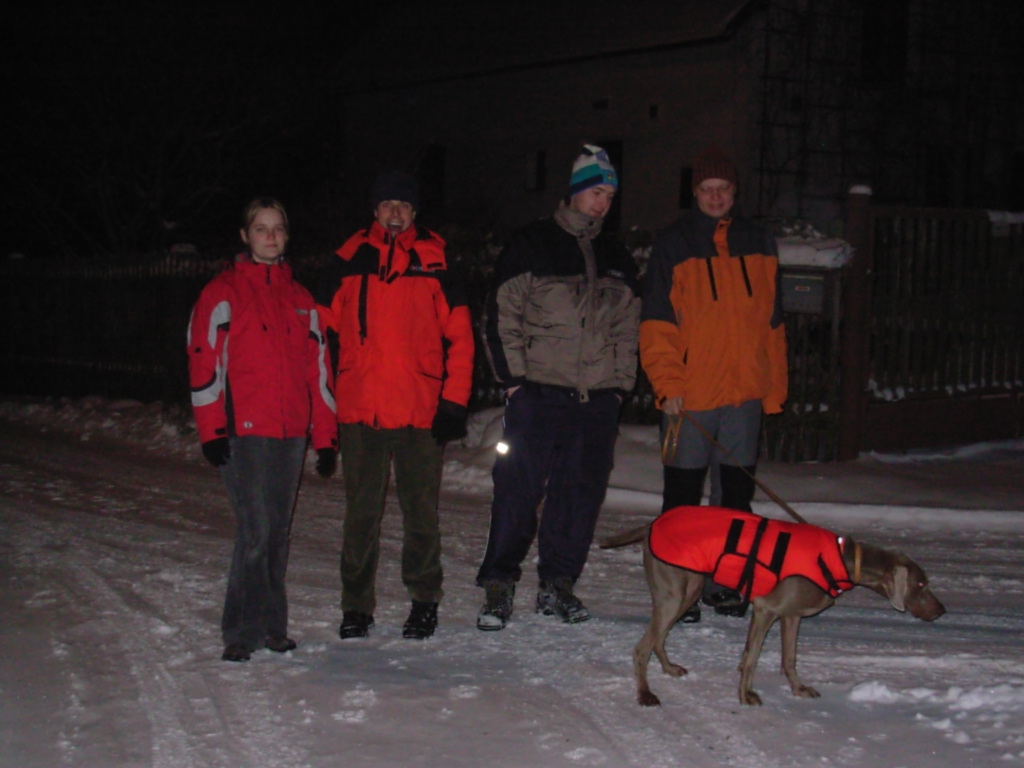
(449, 422)
(217, 451)
(326, 461)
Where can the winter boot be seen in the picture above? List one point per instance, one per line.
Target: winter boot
(692, 615)
(727, 602)
(355, 624)
(235, 652)
(280, 643)
(555, 598)
(497, 607)
(422, 621)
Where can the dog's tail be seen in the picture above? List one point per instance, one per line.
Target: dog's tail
(626, 537)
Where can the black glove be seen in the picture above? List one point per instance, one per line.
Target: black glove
(326, 461)
(217, 451)
(449, 422)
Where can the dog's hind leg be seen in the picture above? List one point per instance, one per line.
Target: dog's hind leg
(673, 590)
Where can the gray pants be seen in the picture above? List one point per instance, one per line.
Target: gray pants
(736, 427)
(262, 478)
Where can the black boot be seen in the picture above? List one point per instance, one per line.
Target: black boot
(355, 624)
(422, 621)
(727, 602)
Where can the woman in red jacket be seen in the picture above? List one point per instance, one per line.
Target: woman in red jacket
(256, 408)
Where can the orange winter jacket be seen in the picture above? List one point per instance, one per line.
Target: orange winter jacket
(711, 326)
(405, 339)
(746, 552)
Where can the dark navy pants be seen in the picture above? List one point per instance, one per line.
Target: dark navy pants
(262, 477)
(560, 451)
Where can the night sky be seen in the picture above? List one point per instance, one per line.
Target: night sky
(134, 129)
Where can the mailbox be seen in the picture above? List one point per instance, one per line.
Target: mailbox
(804, 292)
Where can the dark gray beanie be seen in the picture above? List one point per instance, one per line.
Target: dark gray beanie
(395, 185)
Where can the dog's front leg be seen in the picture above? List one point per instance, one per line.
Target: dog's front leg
(760, 622)
(790, 629)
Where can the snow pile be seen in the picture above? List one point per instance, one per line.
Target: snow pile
(824, 252)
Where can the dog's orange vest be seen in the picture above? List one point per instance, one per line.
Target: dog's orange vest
(746, 552)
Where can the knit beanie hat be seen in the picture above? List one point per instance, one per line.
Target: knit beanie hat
(395, 185)
(713, 163)
(591, 168)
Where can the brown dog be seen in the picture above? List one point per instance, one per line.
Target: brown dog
(674, 589)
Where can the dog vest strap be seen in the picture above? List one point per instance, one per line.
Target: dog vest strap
(779, 555)
(732, 539)
(746, 584)
(833, 585)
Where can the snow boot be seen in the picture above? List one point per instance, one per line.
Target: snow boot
(555, 598)
(497, 607)
(355, 624)
(727, 602)
(280, 643)
(235, 652)
(692, 615)
(422, 621)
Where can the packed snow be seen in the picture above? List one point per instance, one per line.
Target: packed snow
(115, 544)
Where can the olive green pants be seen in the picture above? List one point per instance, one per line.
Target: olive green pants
(367, 455)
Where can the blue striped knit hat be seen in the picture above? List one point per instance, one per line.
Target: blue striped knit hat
(591, 168)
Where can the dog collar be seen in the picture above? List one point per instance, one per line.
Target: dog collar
(858, 557)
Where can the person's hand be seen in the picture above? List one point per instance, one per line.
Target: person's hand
(511, 391)
(217, 451)
(672, 406)
(326, 461)
(449, 422)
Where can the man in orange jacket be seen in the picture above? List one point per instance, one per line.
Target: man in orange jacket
(405, 368)
(713, 344)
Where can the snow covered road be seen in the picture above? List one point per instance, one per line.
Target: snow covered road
(114, 545)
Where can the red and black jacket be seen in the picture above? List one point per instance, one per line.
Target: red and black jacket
(405, 338)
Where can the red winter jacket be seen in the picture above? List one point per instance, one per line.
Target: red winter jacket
(405, 338)
(748, 553)
(258, 363)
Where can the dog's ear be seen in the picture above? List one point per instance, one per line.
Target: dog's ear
(896, 588)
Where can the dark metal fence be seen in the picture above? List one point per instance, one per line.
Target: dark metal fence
(934, 337)
(116, 330)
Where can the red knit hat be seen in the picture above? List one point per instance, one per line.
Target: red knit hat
(713, 163)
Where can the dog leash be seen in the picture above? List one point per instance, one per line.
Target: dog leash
(671, 442)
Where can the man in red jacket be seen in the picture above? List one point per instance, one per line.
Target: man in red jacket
(261, 384)
(405, 369)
